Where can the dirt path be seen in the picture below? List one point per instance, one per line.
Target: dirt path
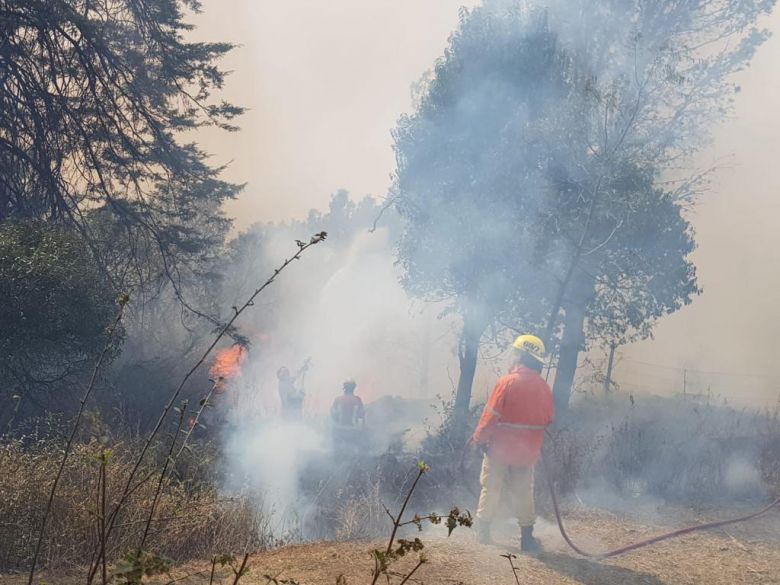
(708, 558)
(739, 557)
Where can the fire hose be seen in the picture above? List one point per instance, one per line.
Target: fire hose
(642, 543)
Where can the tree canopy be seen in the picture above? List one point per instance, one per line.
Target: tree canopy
(53, 314)
(102, 189)
(529, 176)
(94, 100)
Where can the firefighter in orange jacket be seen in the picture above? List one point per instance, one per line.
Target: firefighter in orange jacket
(511, 432)
(349, 418)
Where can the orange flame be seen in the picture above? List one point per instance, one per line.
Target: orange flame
(227, 364)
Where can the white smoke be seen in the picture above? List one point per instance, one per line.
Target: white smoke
(266, 459)
(343, 309)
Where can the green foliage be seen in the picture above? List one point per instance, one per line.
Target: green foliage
(95, 102)
(398, 548)
(133, 567)
(452, 520)
(644, 273)
(529, 177)
(56, 307)
(469, 162)
(471, 177)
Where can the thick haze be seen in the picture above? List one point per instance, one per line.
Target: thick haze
(326, 81)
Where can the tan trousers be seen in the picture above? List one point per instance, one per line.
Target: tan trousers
(516, 482)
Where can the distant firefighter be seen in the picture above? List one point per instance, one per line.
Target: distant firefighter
(290, 396)
(348, 416)
(511, 432)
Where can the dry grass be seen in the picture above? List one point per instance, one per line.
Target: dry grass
(717, 558)
(677, 449)
(361, 516)
(192, 520)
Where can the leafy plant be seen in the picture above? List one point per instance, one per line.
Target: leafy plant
(55, 310)
(133, 567)
(399, 547)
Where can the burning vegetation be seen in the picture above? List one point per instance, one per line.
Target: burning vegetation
(383, 373)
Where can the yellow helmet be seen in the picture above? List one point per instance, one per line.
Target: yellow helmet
(531, 345)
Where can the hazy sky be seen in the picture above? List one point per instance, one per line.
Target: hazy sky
(326, 81)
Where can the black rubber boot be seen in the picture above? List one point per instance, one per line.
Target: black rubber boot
(528, 543)
(483, 533)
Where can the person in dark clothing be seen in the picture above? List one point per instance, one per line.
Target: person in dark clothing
(289, 395)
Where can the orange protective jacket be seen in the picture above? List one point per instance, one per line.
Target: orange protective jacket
(513, 422)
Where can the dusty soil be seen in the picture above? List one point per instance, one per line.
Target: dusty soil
(744, 555)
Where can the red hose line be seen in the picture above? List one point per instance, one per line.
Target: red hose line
(649, 541)
(641, 543)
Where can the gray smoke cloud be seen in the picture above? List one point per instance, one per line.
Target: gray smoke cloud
(295, 68)
(342, 306)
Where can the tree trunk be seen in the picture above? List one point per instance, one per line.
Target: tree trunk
(610, 363)
(572, 343)
(425, 356)
(473, 328)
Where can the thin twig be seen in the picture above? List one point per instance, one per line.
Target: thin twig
(103, 461)
(204, 403)
(158, 491)
(385, 207)
(241, 569)
(213, 568)
(510, 557)
(123, 300)
(419, 564)
(397, 522)
(379, 567)
(416, 520)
